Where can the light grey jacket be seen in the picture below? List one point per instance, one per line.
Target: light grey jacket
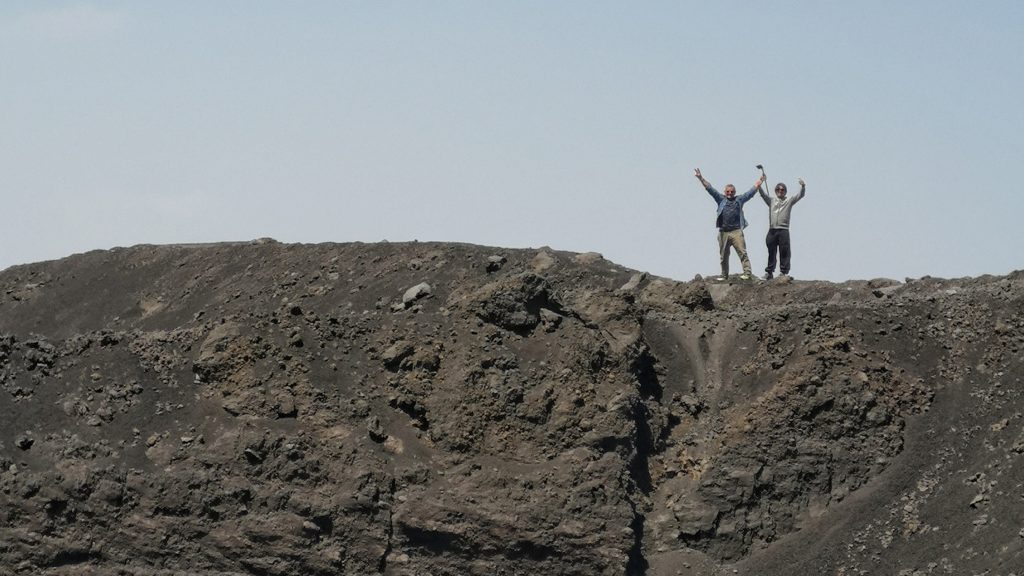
(778, 210)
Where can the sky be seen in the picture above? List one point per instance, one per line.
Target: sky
(574, 124)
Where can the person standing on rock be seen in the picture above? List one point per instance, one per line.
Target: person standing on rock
(731, 223)
(777, 240)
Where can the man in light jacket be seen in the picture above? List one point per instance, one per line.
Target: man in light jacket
(731, 223)
(777, 240)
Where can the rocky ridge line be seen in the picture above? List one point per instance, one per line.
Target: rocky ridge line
(451, 409)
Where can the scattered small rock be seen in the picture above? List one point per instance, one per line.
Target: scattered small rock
(549, 319)
(253, 456)
(375, 429)
(634, 282)
(494, 263)
(542, 261)
(588, 258)
(421, 290)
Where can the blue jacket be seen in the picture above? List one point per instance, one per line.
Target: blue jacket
(721, 200)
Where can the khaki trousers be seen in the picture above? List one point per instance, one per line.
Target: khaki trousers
(735, 240)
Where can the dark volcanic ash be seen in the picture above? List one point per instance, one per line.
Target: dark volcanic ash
(444, 409)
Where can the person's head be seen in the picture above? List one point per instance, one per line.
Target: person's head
(730, 191)
(780, 190)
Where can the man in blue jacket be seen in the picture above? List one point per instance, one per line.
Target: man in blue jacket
(731, 223)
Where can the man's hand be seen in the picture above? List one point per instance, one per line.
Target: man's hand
(801, 181)
(696, 172)
(760, 180)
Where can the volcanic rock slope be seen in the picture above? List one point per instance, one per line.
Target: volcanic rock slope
(441, 409)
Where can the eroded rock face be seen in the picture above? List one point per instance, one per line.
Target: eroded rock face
(438, 409)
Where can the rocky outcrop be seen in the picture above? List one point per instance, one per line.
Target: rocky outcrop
(263, 408)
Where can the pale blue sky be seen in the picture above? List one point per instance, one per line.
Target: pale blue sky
(571, 124)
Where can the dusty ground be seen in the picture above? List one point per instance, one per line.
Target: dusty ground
(442, 409)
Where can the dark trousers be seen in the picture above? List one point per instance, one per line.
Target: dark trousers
(778, 243)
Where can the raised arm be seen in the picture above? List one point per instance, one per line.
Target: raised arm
(715, 194)
(750, 193)
(803, 190)
(703, 182)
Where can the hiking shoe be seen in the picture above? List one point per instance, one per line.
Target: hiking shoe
(745, 276)
(721, 278)
(768, 276)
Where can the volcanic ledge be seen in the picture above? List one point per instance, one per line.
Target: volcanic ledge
(447, 409)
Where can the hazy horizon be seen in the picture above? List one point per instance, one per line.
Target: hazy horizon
(575, 125)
